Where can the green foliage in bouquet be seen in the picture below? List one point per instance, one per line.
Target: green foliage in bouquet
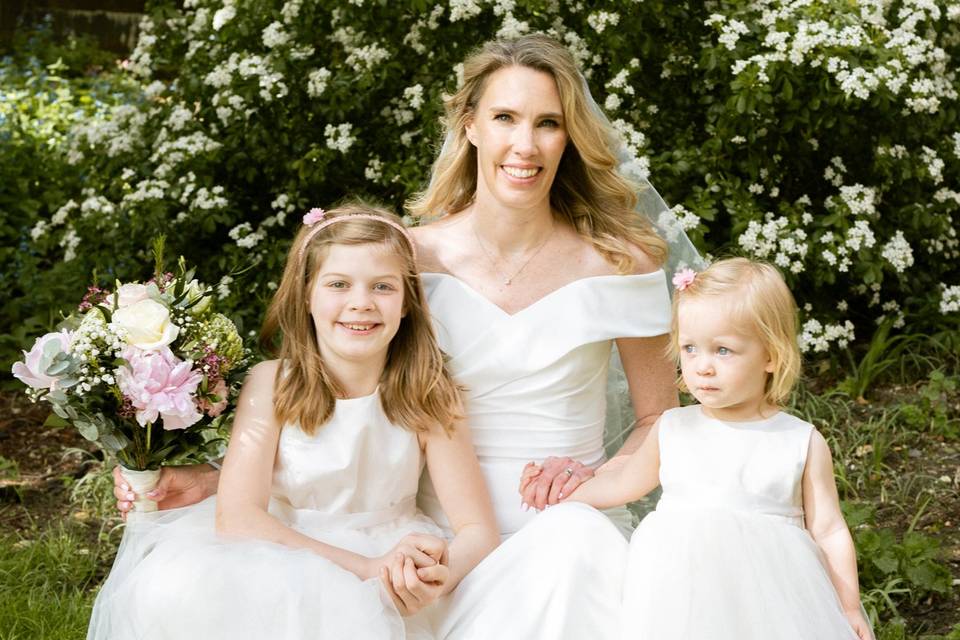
(821, 136)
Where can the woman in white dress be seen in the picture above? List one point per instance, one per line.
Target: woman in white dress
(536, 264)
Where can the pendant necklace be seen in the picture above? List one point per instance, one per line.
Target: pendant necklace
(504, 278)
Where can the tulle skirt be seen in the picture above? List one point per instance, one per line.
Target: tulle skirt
(558, 578)
(174, 578)
(727, 575)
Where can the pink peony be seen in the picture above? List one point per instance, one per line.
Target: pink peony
(159, 384)
(213, 409)
(33, 370)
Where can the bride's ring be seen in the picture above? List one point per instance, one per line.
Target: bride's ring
(568, 471)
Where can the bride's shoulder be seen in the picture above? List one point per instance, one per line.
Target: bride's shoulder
(596, 263)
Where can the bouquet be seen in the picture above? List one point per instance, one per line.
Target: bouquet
(147, 371)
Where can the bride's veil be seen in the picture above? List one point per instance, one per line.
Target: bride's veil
(681, 253)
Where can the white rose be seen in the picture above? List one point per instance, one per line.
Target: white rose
(146, 324)
(130, 294)
(127, 295)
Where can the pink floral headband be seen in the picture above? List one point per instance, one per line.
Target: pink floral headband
(684, 278)
(316, 219)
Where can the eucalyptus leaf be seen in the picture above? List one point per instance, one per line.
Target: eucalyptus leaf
(87, 429)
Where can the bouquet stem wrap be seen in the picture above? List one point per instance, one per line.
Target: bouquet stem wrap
(140, 483)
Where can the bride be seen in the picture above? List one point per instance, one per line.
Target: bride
(536, 262)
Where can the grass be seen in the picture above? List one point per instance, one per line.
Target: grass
(46, 583)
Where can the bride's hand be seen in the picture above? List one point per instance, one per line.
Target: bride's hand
(557, 477)
(412, 588)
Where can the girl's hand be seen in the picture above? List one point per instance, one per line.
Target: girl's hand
(530, 471)
(420, 548)
(558, 477)
(412, 588)
(859, 624)
(178, 487)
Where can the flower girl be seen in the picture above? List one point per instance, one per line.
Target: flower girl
(747, 540)
(314, 531)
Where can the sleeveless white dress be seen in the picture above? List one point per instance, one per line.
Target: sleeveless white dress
(725, 554)
(352, 484)
(536, 387)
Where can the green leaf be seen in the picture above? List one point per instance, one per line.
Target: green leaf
(54, 420)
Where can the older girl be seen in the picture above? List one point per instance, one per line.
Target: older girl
(317, 530)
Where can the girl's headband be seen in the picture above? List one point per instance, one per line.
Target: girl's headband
(316, 219)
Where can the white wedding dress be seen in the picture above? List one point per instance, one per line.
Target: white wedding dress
(352, 484)
(536, 387)
(725, 555)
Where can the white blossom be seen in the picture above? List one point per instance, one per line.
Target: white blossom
(224, 15)
(898, 253)
(317, 81)
(949, 298)
(374, 169)
(816, 337)
(338, 137)
(274, 35)
(600, 20)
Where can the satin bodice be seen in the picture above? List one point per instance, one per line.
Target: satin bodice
(536, 379)
(745, 466)
(357, 470)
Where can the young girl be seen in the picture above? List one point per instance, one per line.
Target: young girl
(314, 532)
(747, 540)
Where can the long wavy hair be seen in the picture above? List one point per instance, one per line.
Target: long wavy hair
(588, 191)
(416, 391)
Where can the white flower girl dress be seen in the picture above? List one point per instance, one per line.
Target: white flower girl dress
(352, 484)
(725, 555)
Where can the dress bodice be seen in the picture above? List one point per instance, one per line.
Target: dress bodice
(746, 466)
(536, 379)
(356, 470)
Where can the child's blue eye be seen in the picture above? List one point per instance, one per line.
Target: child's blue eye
(688, 348)
(723, 351)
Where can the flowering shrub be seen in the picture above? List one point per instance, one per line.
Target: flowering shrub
(819, 135)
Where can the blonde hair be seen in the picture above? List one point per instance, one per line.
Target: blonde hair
(759, 299)
(416, 391)
(587, 192)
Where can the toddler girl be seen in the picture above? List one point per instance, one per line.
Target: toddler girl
(747, 540)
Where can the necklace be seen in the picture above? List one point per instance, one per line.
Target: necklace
(504, 278)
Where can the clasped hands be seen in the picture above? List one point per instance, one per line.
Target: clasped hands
(414, 572)
(548, 483)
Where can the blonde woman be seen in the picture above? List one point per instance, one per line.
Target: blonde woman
(534, 263)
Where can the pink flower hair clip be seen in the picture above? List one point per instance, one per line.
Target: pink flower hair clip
(684, 278)
(313, 216)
